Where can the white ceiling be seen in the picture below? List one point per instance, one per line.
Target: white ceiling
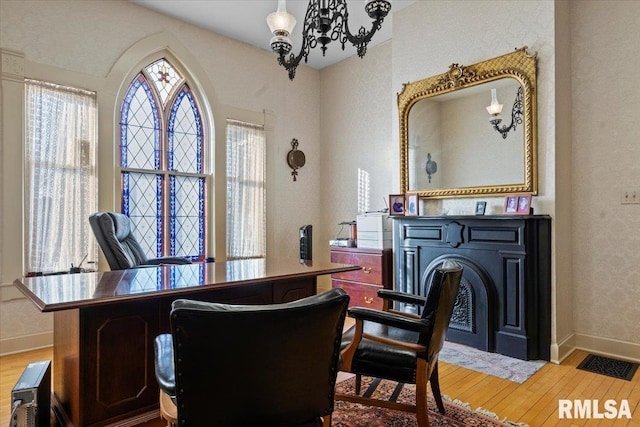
(245, 20)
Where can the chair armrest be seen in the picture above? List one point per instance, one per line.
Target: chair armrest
(391, 319)
(401, 297)
(165, 371)
(167, 260)
(361, 314)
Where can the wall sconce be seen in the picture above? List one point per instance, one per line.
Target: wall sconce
(295, 158)
(496, 108)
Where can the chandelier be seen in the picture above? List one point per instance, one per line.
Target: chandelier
(325, 21)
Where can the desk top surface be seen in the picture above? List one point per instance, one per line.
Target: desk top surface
(69, 291)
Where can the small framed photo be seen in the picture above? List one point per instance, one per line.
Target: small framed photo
(480, 208)
(396, 204)
(517, 204)
(524, 204)
(511, 204)
(411, 206)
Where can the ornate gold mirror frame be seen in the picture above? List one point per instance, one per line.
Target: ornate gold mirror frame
(518, 65)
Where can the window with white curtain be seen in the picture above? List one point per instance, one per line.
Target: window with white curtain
(60, 176)
(364, 191)
(246, 199)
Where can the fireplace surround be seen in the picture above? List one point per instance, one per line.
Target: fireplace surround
(504, 301)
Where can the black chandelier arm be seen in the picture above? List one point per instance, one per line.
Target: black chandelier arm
(362, 39)
(309, 42)
(516, 117)
(340, 28)
(291, 63)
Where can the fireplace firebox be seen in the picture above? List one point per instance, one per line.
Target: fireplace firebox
(504, 300)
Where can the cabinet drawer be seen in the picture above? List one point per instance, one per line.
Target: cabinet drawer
(360, 295)
(370, 271)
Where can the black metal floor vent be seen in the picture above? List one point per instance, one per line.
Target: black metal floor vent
(611, 367)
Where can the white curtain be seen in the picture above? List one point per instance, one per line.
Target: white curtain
(60, 178)
(246, 201)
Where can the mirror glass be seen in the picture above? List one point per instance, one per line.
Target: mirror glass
(449, 148)
(436, 134)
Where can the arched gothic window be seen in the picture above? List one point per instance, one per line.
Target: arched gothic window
(163, 180)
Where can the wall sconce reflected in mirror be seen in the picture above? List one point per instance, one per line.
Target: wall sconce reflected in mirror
(431, 167)
(496, 108)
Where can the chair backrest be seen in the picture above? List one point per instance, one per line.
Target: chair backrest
(241, 365)
(441, 298)
(117, 242)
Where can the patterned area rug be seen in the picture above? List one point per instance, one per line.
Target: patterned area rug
(494, 364)
(457, 414)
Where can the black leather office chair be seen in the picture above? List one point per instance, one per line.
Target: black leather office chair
(251, 365)
(402, 347)
(118, 244)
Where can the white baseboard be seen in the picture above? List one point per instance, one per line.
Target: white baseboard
(608, 347)
(25, 343)
(563, 349)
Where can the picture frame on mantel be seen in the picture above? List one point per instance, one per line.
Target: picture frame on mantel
(511, 204)
(396, 204)
(517, 204)
(412, 205)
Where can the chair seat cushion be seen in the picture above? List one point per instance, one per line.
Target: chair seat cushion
(165, 371)
(382, 360)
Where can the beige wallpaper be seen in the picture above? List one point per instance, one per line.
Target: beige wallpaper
(357, 106)
(606, 154)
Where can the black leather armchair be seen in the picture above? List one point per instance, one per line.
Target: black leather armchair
(403, 347)
(119, 245)
(251, 365)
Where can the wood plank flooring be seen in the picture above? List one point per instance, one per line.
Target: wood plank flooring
(534, 403)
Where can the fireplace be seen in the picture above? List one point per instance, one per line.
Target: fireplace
(504, 302)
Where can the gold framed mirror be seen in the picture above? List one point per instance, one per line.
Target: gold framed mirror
(451, 145)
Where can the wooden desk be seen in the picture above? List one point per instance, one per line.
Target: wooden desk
(105, 324)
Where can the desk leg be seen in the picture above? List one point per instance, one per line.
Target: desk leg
(66, 371)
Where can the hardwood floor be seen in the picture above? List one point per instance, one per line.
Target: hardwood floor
(534, 403)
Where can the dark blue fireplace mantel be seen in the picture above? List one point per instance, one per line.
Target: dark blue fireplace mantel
(504, 302)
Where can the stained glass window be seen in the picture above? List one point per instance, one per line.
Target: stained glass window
(164, 77)
(161, 159)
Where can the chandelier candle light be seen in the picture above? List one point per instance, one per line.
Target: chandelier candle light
(325, 20)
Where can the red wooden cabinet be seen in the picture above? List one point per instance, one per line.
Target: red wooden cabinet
(362, 285)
